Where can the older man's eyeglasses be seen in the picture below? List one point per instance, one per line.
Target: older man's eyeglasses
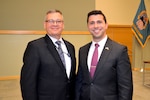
(54, 21)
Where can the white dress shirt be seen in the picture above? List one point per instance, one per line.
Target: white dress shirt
(66, 54)
(91, 50)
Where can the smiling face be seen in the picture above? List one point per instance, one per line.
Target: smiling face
(97, 27)
(54, 24)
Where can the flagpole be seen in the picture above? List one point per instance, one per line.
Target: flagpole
(141, 70)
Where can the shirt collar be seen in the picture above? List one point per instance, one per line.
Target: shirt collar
(102, 42)
(54, 40)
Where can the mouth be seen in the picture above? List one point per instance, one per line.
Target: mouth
(55, 28)
(96, 31)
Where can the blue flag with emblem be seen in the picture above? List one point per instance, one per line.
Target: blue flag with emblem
(141, 26)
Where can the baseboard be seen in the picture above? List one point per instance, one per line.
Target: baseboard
(138, 69)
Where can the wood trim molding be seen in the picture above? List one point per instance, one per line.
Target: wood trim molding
(120, 26)
(27, 32)
(9, 77)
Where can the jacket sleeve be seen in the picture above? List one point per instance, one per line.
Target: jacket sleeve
(29, 71)
(124, 74)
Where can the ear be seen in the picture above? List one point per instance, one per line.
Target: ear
(106, 26)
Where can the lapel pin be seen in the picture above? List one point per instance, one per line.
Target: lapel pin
(106, 48)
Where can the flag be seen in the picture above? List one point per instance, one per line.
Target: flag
(141, 26)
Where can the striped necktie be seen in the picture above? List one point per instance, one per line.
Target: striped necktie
(94, 61)
(60, 51)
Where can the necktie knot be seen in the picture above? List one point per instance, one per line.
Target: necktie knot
(96, 45)
(58, 43)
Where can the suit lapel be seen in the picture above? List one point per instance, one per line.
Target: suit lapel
(53, 51)
(71, 55)
(71, 52)
(85, 57)
(86, 54)
(104, 56)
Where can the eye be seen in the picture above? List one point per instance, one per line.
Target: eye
(92, 23)
(50, 21)
(99, 22)
(54, 21)
(59, 21)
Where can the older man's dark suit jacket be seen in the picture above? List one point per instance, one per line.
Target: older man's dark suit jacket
(43, 76)
(112, 79)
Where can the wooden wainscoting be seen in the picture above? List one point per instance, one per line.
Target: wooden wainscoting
(122, 34)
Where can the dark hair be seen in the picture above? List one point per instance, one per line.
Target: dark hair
(96, 12)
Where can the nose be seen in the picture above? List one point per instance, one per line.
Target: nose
(95, 25)
(55, 23)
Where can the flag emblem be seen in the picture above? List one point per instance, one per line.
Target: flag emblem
(142, 20)
(141, 26)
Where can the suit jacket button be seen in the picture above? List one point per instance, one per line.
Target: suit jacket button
(67, 96)
(68, 81)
